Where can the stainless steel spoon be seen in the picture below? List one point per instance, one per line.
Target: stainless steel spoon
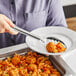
(38, 37)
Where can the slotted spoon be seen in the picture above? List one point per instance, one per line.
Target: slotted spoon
(44, 41)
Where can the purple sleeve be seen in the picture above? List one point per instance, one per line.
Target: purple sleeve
(56, 15)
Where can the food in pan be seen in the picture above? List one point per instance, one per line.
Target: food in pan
(31, 64)
(55, 48)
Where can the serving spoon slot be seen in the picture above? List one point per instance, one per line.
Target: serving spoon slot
(56, 40)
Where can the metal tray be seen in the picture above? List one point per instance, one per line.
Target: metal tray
(57, 61)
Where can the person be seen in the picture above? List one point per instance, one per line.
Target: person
(28, 15)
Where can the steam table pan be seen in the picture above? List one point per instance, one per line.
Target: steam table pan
(21, 49)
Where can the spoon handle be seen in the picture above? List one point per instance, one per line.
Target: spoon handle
(26, 32)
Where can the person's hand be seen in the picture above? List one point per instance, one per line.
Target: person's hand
(6, 25)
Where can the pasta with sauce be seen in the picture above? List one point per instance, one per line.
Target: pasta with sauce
(31, 64)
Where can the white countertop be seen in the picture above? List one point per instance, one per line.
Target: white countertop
(68, 2)
(70, 59)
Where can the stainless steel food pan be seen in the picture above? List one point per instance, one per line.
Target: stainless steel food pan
(21, 49)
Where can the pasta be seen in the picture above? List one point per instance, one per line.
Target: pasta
(31, 64)
(55, 48)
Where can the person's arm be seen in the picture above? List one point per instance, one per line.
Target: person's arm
(55, 14)
(6, 24)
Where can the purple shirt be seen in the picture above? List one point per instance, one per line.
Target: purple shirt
(29, 15)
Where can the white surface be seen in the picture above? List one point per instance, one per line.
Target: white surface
(64, 34)
(70, 59)
(68, 2)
